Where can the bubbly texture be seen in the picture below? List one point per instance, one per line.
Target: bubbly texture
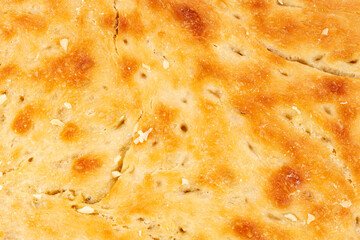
(179, 119)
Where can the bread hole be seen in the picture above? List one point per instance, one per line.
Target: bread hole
(121, 122)
(88, 200)
(184, 100)
(251, 147)
(186, 189)
(143, 76)
(125, 41)
(215, 45)
(140, 219)
(53, 192)
(308, 132)
(154, 143)
(246, 200)
(216, 93)
(184, 128)
(334, 151)
(283, 73)
(181, 230)
(105, 88)
(237, 51)
(327, 110)
(273, 217)
(357, 224)
(236, 16)
(21, 98)
(2, 118)
(325, 139)
(352, 61)
(318, 58)
(30, 159)
(288, 116)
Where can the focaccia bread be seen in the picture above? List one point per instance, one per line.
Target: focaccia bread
(179, 119)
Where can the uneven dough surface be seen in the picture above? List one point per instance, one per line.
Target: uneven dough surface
(180, 119)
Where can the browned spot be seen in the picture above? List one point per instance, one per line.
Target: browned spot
(258, 4)
(130, 23)
(335, 85)
(23, 120)
(71, 69)
(30, 22)
(128, 67)
(86, 164)
(7, 32)
(108, 20)
(218, 176)
(247, 229)
(69, 132)
(190, 19)
(6, 71)
(283, 183)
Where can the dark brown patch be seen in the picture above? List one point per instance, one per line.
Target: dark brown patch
(86, 164)
(190, 19)
(23, 120)
(283, 183)
(247, 229)
(128, 67)
(258, 4)
(335, 86)
(71, 69)
(69, 132)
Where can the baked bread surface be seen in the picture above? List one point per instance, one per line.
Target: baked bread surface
(179, 119)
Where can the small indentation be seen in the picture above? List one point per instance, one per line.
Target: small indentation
(143, 76)
(318, 58)
(154, 143)
(30, 159)
(216, 93)
(21, 98)
(238, 51)
(283, 73)
(184, 100)
(183, 128)
(105, 88)
(352, 61)
(125, 41)
(288, 117)
(181, 230)
(273, 217)
(236, 16)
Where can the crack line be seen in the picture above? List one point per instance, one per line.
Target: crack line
(302, 61)
(116, 27)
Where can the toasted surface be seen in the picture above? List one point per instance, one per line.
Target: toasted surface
(179, 119)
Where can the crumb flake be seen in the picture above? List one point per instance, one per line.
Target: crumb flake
(291, 217)
(37, 196)
(147, 67)
(117, 159)
(346, 204)
(142, 136)
(166, 64)
(67, 105)
(184, 181)
(57, 122)
(116, 174)
(325, 32)
(64, 44)
(86, 210)
(3, 98)
(310, 218)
